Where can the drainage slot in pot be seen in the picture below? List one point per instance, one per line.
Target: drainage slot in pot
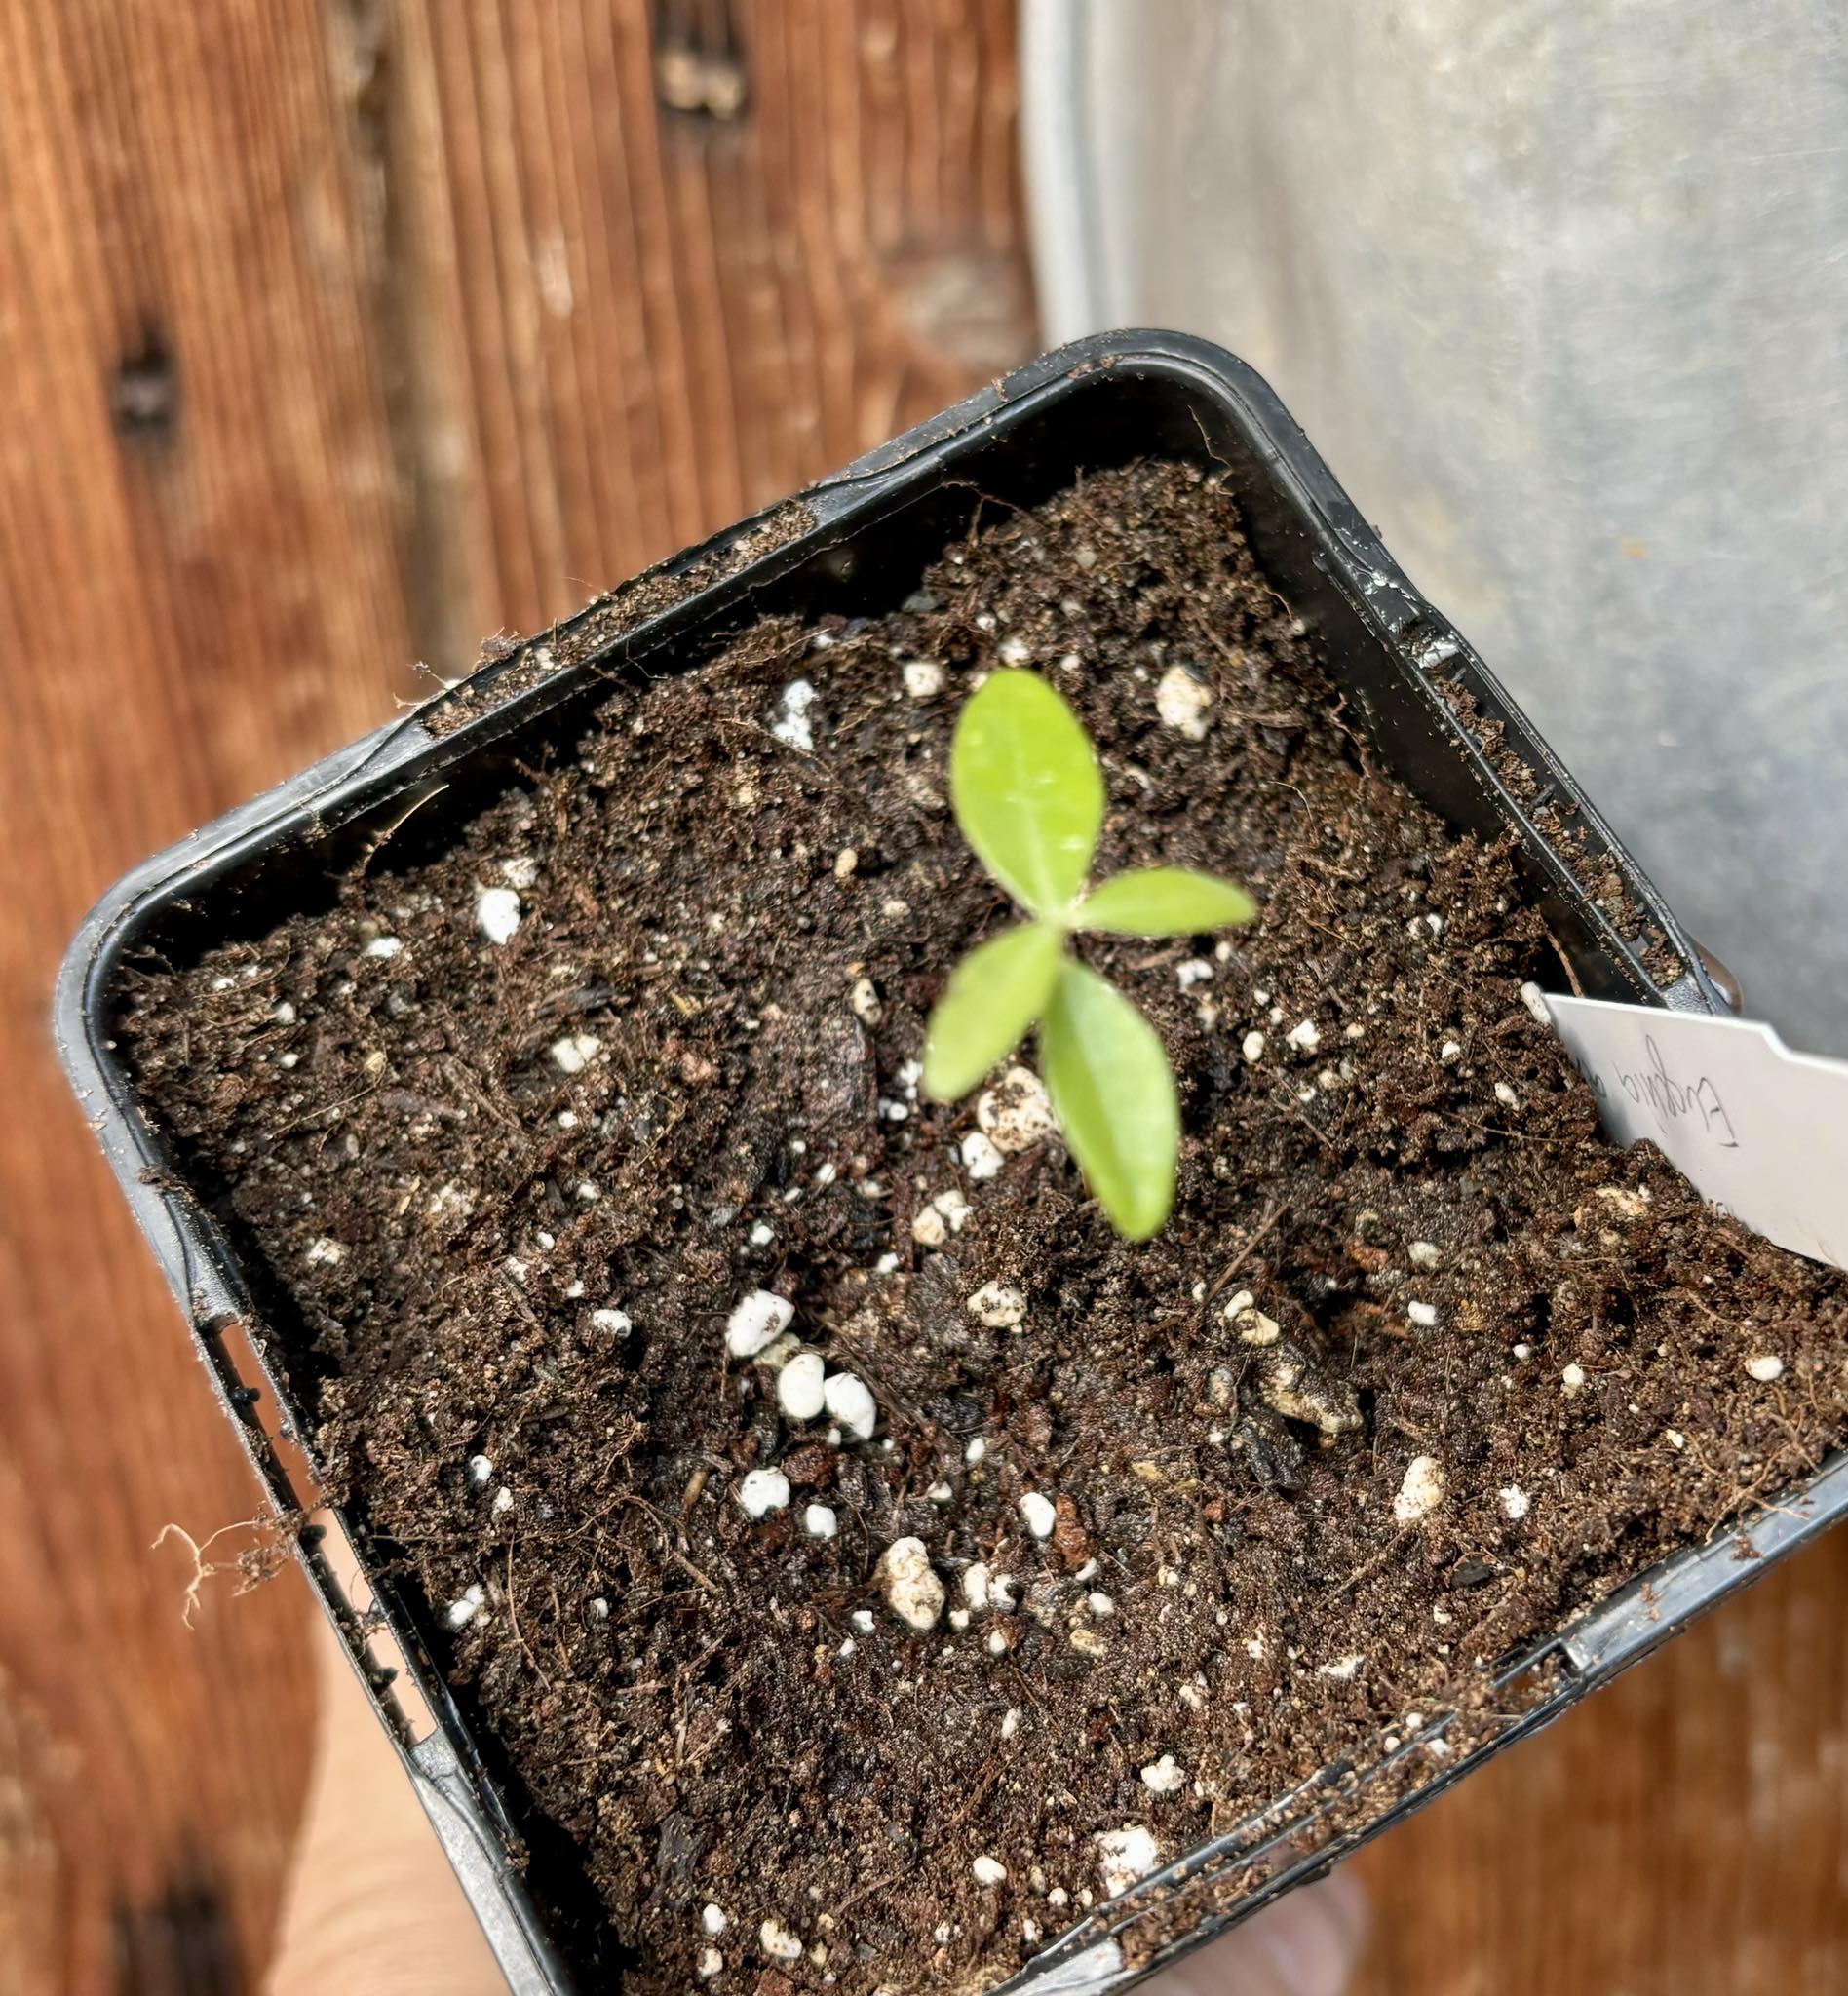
(339, 1574)
(366, 1625)
(269, 1432)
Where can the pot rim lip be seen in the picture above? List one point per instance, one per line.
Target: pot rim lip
(461, 1797)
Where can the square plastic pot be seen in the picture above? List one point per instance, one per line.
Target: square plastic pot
(857, 544)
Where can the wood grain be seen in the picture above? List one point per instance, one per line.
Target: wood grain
(340, 335)
(196, 559)
(632, 325)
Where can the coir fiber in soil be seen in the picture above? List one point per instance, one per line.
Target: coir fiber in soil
(509, 1194)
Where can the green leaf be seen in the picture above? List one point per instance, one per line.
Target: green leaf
(993, 995)
(1164, 900)
(1108, 1079)
(1027, 790)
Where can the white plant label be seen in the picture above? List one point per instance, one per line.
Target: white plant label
(1757, 1129)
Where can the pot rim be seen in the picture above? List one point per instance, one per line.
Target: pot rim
(1411, 649)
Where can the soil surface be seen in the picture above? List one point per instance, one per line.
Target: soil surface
(512, 1192)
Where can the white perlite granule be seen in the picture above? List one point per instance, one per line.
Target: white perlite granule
(497, 913)
(1016, 1112)
(1163, 1777)
(1422, 1490)
(998, 1305)
(1183, 703)
(792, 725)
(1125, 1855)
(757, 1319)
(778, 1943)
(913, 1592)
(849, 1400)
(799, 1387)
(762, 1491)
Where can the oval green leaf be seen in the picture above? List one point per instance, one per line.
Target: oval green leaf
(994, 996)
(1027, 790)
(1107, 1074)
(1165, 900)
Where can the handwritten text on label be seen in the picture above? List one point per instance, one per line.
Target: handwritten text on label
(1760, 1129)
(1668, 1099)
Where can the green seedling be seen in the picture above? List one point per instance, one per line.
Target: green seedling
(1028, 795)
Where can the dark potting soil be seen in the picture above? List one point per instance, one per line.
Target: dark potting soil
(511, 1193)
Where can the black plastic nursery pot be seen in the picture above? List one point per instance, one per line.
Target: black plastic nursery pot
(855, 544)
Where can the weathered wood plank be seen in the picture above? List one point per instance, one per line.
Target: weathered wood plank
(197, 559)
(645, 322)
